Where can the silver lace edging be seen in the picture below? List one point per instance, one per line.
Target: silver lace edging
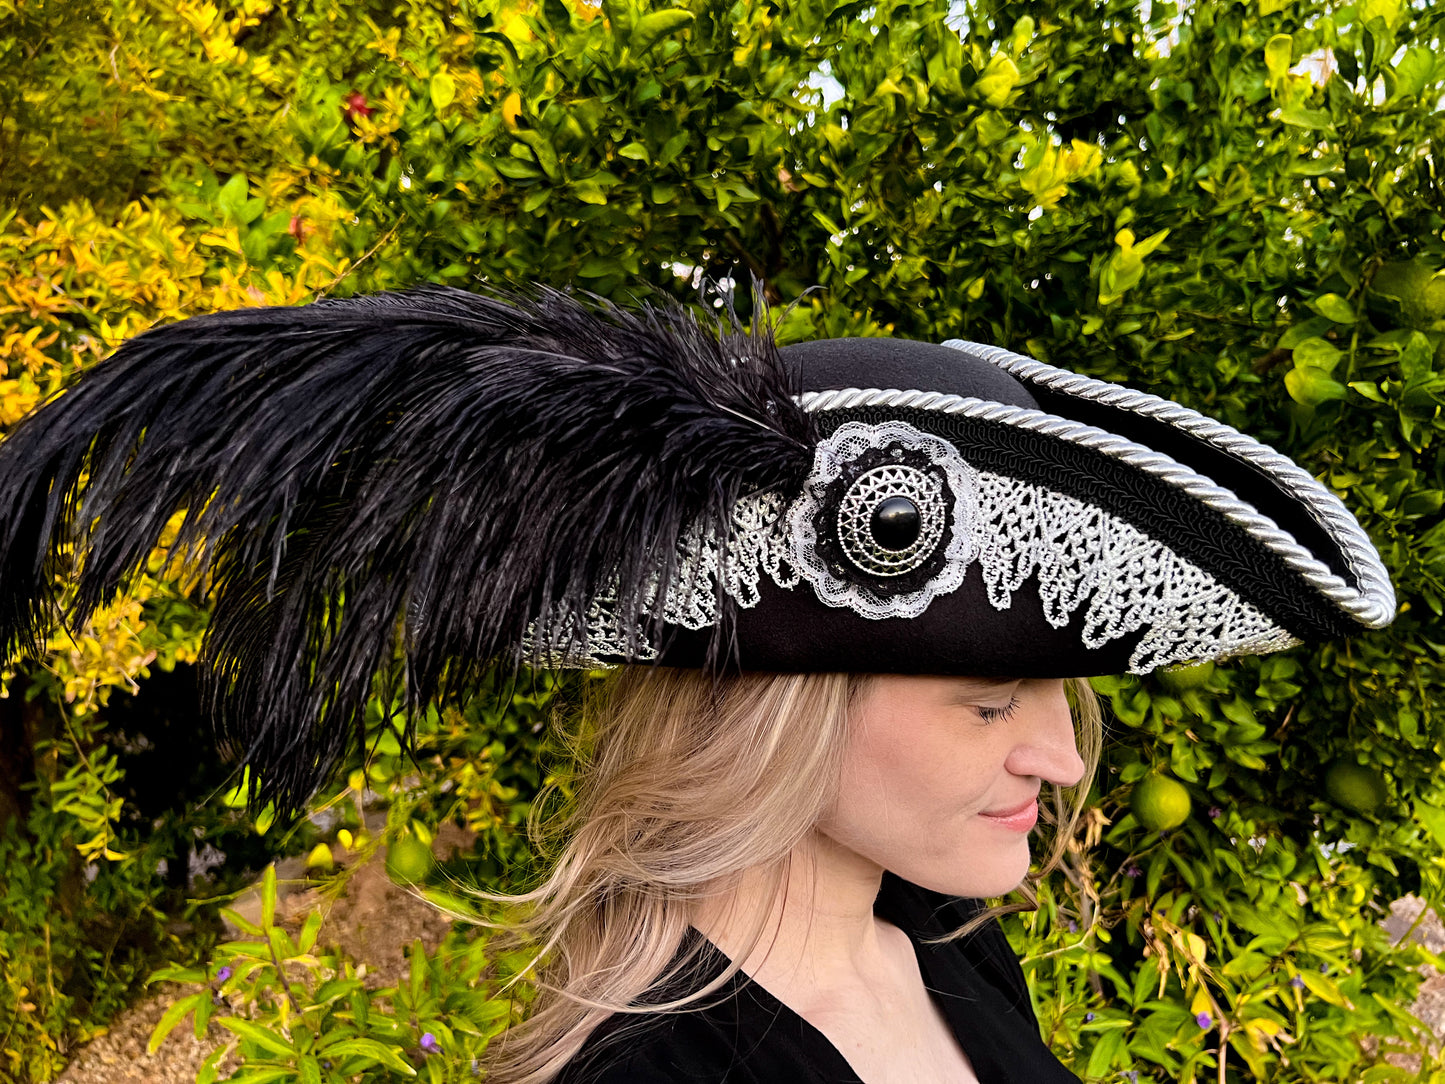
(1373, 604)
(1373, 607)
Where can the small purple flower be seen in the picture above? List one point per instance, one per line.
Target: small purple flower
(223, 974)
(1297, 982)
(1132, 1075)
(1132, 870)
(1215, 812)
(1204, 1020)
(429, 1043)
(1088, 1018)
(1324, 969)
(1073, 926)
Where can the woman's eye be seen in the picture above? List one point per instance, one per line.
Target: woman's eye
(993, 715)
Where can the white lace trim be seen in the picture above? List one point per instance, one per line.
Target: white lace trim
(1078, 555)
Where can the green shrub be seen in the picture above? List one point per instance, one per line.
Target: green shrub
(299, 1016)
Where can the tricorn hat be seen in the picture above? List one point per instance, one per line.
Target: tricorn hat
(439, 480)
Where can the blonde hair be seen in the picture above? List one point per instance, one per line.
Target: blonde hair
(683, 781)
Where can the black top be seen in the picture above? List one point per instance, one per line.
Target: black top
(744, 1035)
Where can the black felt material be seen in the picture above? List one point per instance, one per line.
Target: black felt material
(1248, 482)
(746, 1036)
(833, 364)
(960, 633)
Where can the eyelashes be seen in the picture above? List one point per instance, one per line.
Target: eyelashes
(994, 715)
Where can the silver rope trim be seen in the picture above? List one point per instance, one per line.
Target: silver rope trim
(1327, 509)
(1373, 607)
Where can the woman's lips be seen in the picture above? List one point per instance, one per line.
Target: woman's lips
(1020, 819)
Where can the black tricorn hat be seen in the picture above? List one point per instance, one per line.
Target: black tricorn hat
(425, 483)
(974, 511)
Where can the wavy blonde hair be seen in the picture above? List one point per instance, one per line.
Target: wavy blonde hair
(683, 781)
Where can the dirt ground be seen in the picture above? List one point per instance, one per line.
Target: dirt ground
(375, 920)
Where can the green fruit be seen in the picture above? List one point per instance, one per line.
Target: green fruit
(1418, 287)
(1160, 803)
(1187, 677)
(408, 860)
(1355, 787)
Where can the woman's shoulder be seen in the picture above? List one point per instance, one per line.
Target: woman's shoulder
(732, 1037)
(656, 1048)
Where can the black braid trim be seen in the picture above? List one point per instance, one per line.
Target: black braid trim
(1196, 532)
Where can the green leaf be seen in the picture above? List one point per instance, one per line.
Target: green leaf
(1278, 52)
(1334, 307)
(443, 90)
(1103, 1056)
(998, 79)
(173, 1016)
(514, 169)
(1309, 386)
(596, 267)
(1368, 390)
(1325, 988)
(1315, 325)
(1433, 818)
(268, 898)
(232, 194)
(1317, 354)
(1415, 71)
(247, 1074)
(1302, 117)
(261, 1036)
(376, 1051)
(652, 27)
(309, 931)
(208, 1072)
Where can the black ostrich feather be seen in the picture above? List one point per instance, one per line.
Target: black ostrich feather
(449, 473)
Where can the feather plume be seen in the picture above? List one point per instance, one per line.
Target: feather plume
(434, 475)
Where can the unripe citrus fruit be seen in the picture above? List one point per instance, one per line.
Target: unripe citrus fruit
(1355, 787)
(1160, 803)
(408, 860)
(1187, 677)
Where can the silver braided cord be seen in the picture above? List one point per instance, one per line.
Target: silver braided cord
(1326, 509)
(1373, 606)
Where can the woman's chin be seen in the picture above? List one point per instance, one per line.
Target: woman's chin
(998, 875)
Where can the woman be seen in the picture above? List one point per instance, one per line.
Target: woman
(775, 861)
(861, 572)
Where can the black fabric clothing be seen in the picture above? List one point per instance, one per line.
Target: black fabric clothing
(744, 1035)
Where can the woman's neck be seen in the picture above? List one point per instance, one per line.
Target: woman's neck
(816, 932)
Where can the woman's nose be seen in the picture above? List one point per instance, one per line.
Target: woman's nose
(1047, 747)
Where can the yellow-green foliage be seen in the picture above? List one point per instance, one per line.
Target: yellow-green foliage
(1235, 205)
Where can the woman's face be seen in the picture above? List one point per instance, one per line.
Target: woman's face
(941, 775)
